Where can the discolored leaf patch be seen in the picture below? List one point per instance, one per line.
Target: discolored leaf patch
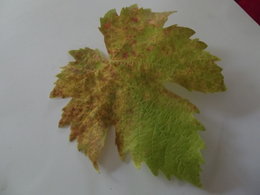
(125, 90)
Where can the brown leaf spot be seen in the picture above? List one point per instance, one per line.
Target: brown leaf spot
(134, 19)
(125, 55)
(107, 25)
(149, 48)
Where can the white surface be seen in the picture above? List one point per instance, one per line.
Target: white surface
(35, 155)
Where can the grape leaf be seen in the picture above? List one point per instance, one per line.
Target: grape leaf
(126, 90)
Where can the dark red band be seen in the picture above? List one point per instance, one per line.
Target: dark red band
(252, 7)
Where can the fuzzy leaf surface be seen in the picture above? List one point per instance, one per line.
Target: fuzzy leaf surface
(126, 90)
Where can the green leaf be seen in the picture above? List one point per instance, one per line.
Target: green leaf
(126, 91)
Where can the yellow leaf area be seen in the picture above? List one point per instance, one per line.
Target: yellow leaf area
(125, 90)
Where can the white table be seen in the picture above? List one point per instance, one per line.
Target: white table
(35, 155)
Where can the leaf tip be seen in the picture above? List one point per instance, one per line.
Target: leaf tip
(95, 165)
